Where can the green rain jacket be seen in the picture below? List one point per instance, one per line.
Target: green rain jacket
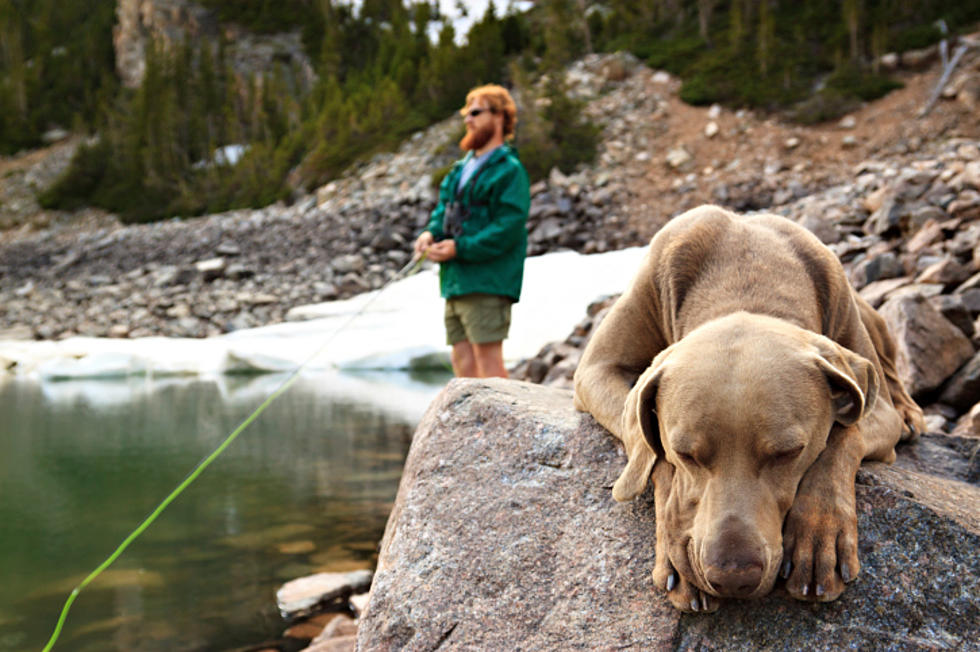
(491, 249)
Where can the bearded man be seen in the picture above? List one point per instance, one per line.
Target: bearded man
(478, 234)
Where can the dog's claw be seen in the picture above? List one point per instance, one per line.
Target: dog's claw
(694, 604)
(819, 591)
(805, 590)
(845, 573)
(786, 569)
(671, 582)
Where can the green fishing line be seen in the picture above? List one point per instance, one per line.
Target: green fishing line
(413, 266)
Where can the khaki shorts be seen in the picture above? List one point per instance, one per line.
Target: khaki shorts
(479, 318)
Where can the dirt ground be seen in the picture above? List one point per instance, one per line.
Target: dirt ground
(819, 154)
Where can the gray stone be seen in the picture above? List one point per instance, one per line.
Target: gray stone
(930, 348)
(679, 158)
(387, 239)
(505, 536)
(228, 248)
(348, 263)
(972, 283)
(239, 271)
(953, 308)
(875, 293)
(971, 300)
(547, 230)
(877, 268)
(916, 290)
(929, 233)
(172, 275)
(885, 219)
(824, 229)
(352, 283)
(963, 390)
(944, 272)
(211, 269)
(967, 204)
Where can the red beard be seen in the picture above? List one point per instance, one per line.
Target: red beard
(476, 139)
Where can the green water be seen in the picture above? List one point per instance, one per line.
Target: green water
(306, 488)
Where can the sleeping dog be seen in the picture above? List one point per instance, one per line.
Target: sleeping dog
(748, 379)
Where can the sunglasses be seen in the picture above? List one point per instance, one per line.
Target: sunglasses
(473, 113)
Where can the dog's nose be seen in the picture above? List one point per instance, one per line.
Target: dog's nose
(735, 578)
(734, 560)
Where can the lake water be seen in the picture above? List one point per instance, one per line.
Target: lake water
(306, 488)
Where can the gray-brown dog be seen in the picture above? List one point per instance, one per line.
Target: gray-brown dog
(746, 377)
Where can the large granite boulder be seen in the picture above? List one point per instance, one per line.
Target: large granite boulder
(505, 535)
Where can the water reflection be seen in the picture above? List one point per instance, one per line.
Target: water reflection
(307, 487)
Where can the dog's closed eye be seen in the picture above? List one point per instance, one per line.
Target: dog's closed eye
(785, 456)
(692, 459)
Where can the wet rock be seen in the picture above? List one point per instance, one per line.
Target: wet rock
(446, 573)
(930, 348)
(307, 594)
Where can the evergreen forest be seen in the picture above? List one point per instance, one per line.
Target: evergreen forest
(386, 68)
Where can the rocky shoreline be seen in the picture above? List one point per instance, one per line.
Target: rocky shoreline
(215, 274)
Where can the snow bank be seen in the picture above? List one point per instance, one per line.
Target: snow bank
(394, 328)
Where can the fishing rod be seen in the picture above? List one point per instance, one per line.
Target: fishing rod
(413, 265)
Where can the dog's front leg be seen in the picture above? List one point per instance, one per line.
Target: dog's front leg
(820, 530)
(681, 592)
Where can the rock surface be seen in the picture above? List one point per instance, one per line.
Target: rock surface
(168, 23)
(505, 536)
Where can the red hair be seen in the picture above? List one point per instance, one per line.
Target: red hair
(498, 100)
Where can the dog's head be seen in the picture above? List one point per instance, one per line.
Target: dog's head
(741, 408)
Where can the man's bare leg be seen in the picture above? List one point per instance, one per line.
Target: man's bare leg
(464, 360)
(490, 359)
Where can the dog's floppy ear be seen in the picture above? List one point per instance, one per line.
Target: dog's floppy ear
(639, 433)
(853, 381)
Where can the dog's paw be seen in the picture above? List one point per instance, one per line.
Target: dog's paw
(913, 421)
(819, 549)
(682, 594)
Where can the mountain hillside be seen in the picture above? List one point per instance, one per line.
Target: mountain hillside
(66, 273)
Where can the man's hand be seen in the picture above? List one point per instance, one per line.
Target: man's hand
(442, 251)
(423, 242)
